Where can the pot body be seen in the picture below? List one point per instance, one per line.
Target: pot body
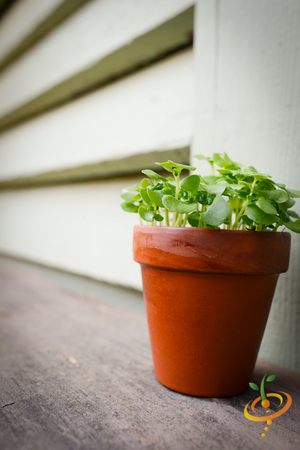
(208, 294)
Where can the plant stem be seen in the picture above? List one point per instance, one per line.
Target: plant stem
(240, 215)
(175, 215)
(167, 217)
(174, 219)
(178, 220)
(185, 220)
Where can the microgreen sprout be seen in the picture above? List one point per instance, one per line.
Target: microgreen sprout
(234, 198)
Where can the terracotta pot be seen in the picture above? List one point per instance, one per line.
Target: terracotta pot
(208, 294)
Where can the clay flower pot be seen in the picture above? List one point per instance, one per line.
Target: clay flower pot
(208, 294)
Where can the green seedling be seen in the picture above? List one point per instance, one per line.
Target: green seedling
(233, 198)
(264, 401)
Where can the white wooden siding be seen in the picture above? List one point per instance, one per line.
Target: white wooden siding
(94, 31)
(21, 19)
(79, 228)
(149, 110)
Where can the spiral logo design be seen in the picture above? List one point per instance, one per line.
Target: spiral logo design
(265, 418)
(285, 401)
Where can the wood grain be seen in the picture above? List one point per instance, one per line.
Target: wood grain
(77, 373)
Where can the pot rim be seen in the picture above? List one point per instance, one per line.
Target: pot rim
(212, 251)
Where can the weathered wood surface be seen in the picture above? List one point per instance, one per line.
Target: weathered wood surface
(76, 373)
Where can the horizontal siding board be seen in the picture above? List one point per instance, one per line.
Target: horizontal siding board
(78, 228)
(61, 13)
(151, 110)
(128, 165)
(172, 35)
(98, 29)
(19, 21)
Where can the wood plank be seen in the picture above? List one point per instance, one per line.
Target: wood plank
(55, 18)
(32, 98)
(20, 20)
(123, 166)
(151, 110)
(77, 373)
(73, 227)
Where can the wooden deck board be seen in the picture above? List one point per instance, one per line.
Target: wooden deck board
(76, 373)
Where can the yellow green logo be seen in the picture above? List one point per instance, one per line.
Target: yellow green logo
(266, 401)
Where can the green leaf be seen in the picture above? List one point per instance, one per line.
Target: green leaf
(281, 185)
(225, 171)
(266, 206)
(171, 166)
(146, 215)
(271, 378)
(137, 198)
(193, 218)
(246, 220)
(254, 386)
(211, 179)
(266, 184)
(218, 159)
(250, 171)
(156, 197)
(158, 217)
(204, 158)
(145, 196)
(216, 189)
(293, 226)
(133, 187)
(236, 187)
(276, 195)
(129, 207)
(258, 216)
(190, 184)
(286, 205)
(177, 205)
(293, 214)
(128, 196)
(151, 174)
(217, 212)
(293, 193)
(168, 190)
(145, 183)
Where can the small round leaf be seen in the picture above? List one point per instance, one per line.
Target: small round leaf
(217, 212)
(293, 226)
(260, 217)
(174, 205)
(266, 206)
(129, 207)
(146, 215)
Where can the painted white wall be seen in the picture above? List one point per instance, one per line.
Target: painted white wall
(94, 31)
(79, 228)
(248, 104)
(149, 110)
(21, 19)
